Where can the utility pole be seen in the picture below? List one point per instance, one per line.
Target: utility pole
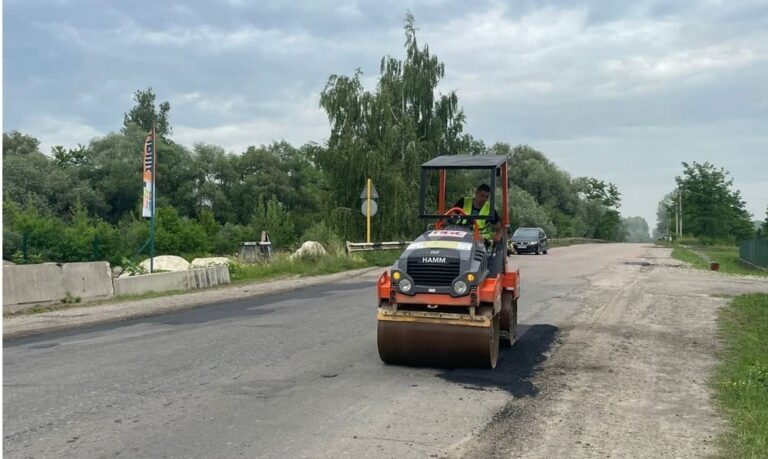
(680, 212)
(677, 219)
(680, 193)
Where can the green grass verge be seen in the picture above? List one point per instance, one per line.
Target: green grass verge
(679, 253)
(727, 256)
(741, 381)
(282, 266)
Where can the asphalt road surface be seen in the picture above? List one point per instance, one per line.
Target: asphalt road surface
(615, 346)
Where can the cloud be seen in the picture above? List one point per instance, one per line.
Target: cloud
(298, 121)
(622, 91)
(52, 131)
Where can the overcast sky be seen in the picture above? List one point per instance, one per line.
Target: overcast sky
(621, 91)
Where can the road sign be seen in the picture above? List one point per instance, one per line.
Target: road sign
(374, 193)
(374, 207)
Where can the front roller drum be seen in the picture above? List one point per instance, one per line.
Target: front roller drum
(441, 345)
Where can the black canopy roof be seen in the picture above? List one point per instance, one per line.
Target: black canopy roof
(465, 162)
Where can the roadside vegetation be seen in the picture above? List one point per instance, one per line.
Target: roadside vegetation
(741, 380)
(282, 266)
(726, 255)
(83, 203)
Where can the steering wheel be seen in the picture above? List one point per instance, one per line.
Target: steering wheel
(453, 216)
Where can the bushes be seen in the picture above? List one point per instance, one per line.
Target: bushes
(322, 233)
(31, 236)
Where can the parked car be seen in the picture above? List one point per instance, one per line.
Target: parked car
(529, 240)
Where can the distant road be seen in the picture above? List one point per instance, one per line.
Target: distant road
(613, 358)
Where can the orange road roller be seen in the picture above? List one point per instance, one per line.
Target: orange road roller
(451, 297)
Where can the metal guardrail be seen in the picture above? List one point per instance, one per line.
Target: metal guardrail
(754, 253)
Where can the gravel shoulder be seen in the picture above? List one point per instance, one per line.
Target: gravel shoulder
(24, 325)
(629, 374)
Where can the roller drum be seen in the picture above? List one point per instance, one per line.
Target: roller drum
(441, 345)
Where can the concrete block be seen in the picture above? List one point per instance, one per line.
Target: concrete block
(159, 282)
(208, 277)
(88, 280)
(38, 283)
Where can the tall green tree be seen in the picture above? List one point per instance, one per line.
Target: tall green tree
(711, 208)
(388, 133)
(145, 112)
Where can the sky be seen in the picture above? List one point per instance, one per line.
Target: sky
(620, 91)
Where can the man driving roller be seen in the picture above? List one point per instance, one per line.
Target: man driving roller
(490, 227)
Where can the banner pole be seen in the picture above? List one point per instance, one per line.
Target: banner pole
(154, 199)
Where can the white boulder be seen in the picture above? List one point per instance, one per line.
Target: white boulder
(167, 263)
(312, 249)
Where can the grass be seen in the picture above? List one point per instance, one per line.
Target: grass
(741, 379)
(282, 266)
(726, 256)
(679, 253)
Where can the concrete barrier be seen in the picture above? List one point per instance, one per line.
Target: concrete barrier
(166, 282)
(51, 282)
(88, 280)
(46, 282)
(38, 283)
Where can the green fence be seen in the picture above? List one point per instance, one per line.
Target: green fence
(754, 253)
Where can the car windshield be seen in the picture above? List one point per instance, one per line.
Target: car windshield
(526, 232)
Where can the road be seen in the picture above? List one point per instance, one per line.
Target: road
(615, 348)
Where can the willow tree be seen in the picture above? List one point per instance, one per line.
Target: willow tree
(387, 134)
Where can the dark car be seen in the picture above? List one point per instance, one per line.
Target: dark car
(529, 240)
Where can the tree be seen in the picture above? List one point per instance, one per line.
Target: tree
(763, 233)
(665, 215)
(144, 113)
(387, 134)
(711, 209)
(636, 229)
(525, 211)
(606, 194)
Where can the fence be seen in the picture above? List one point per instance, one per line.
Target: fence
(26, 253)
(754, 253)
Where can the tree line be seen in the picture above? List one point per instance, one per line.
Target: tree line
(84, 203)
(709, 209)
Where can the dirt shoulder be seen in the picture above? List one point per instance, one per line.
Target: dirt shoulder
(629, 377)
(23, 325)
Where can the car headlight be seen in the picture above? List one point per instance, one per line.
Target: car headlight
(460, 287)
(534, 242)
(405, 285)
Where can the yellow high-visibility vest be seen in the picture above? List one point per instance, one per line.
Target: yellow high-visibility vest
(482, 223)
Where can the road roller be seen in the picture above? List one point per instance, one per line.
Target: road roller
(450, 299)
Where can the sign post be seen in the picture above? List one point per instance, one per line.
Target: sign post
(369, 207)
